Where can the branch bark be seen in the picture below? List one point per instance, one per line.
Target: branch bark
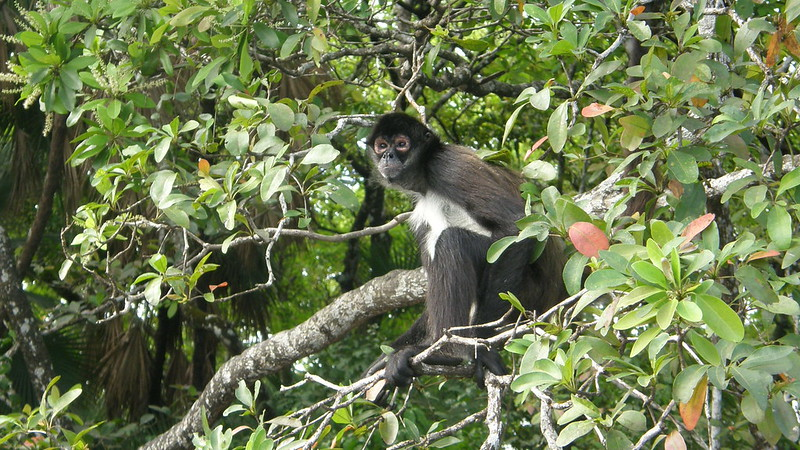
(52, 180)
(19, 317)
(330, 324)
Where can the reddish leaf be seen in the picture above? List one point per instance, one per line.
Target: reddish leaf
(203, 166)
(674, 441)
(638, 10)
(691, 412)
(213, 287)
(587, 238)
(697, 226)
(696, 101)
(595, 109)
(676, 187)
(774, 46)
(790, 43)
(536, 145)
(764, 254)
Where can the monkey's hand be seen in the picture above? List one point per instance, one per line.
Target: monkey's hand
(397, 373)
(488, 359)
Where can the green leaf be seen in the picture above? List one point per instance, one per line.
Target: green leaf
(512, 119)
(511, 298)
(161, 149)
(705, 348)
(605, 278)
(312, 9)
(574, 431)
(634, 130)
(756, 284)
(772, 359)
(244, 395)
(602, 70)
(206, 71)
(227, 213)
(320, 154)
(540, 100)
(186, 16)
(643, 340)
(540, 170)
(389, 427)
(158, 262)
(573, 272)
(683, 166)
(750, 409)
(685, 382)
(557, 127)
(266, 35)
(290, 43)
(633, 420)
(498, 247)
(152, 291)
(649, 273)
(445, 442)
(60, 403)
(665, 313)
(745, 37)
(345, 197)
(689, 311)
(755, 382)
(722, 320)
(282, 116)
(638, 294)
(785, 418)
(162, 185)
(790, 180)
(342, 416)
(792, 9)
(779, 227)
(639, 30)
(237, 142)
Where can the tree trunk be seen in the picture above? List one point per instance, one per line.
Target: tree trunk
(19, 317)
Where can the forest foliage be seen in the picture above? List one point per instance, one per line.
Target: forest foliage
(211, 191)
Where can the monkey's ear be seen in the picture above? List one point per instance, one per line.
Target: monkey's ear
(428, 136)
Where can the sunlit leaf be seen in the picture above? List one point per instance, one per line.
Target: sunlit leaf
(674, 441)
(693, 409)
(587, 238)
(595, 109)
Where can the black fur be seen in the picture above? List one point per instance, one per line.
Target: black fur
(458, 273)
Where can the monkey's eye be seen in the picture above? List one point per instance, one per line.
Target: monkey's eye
(401, 144)
(380, 145)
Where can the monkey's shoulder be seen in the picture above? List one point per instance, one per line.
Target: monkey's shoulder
(462, 165)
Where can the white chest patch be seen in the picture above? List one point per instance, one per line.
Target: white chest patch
(436, 213)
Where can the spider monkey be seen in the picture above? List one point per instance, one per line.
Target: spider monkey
(462, 205)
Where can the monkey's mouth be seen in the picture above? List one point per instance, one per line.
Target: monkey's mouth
(390, 173)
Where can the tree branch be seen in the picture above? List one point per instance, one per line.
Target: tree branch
(52, 180)
(330, 324)
(20, 318)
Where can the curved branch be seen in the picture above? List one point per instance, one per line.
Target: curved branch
(328, 325)
(44, 207)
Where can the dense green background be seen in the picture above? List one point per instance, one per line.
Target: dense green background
(176, 138)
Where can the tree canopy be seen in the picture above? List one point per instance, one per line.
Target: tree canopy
(194, 251)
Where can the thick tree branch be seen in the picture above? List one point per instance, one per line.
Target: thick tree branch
(19, 317)
(52, 180)
(328, 325)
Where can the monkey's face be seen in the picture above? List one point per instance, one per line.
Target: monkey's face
(390, 154)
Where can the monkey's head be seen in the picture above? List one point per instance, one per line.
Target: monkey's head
(399, 147)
